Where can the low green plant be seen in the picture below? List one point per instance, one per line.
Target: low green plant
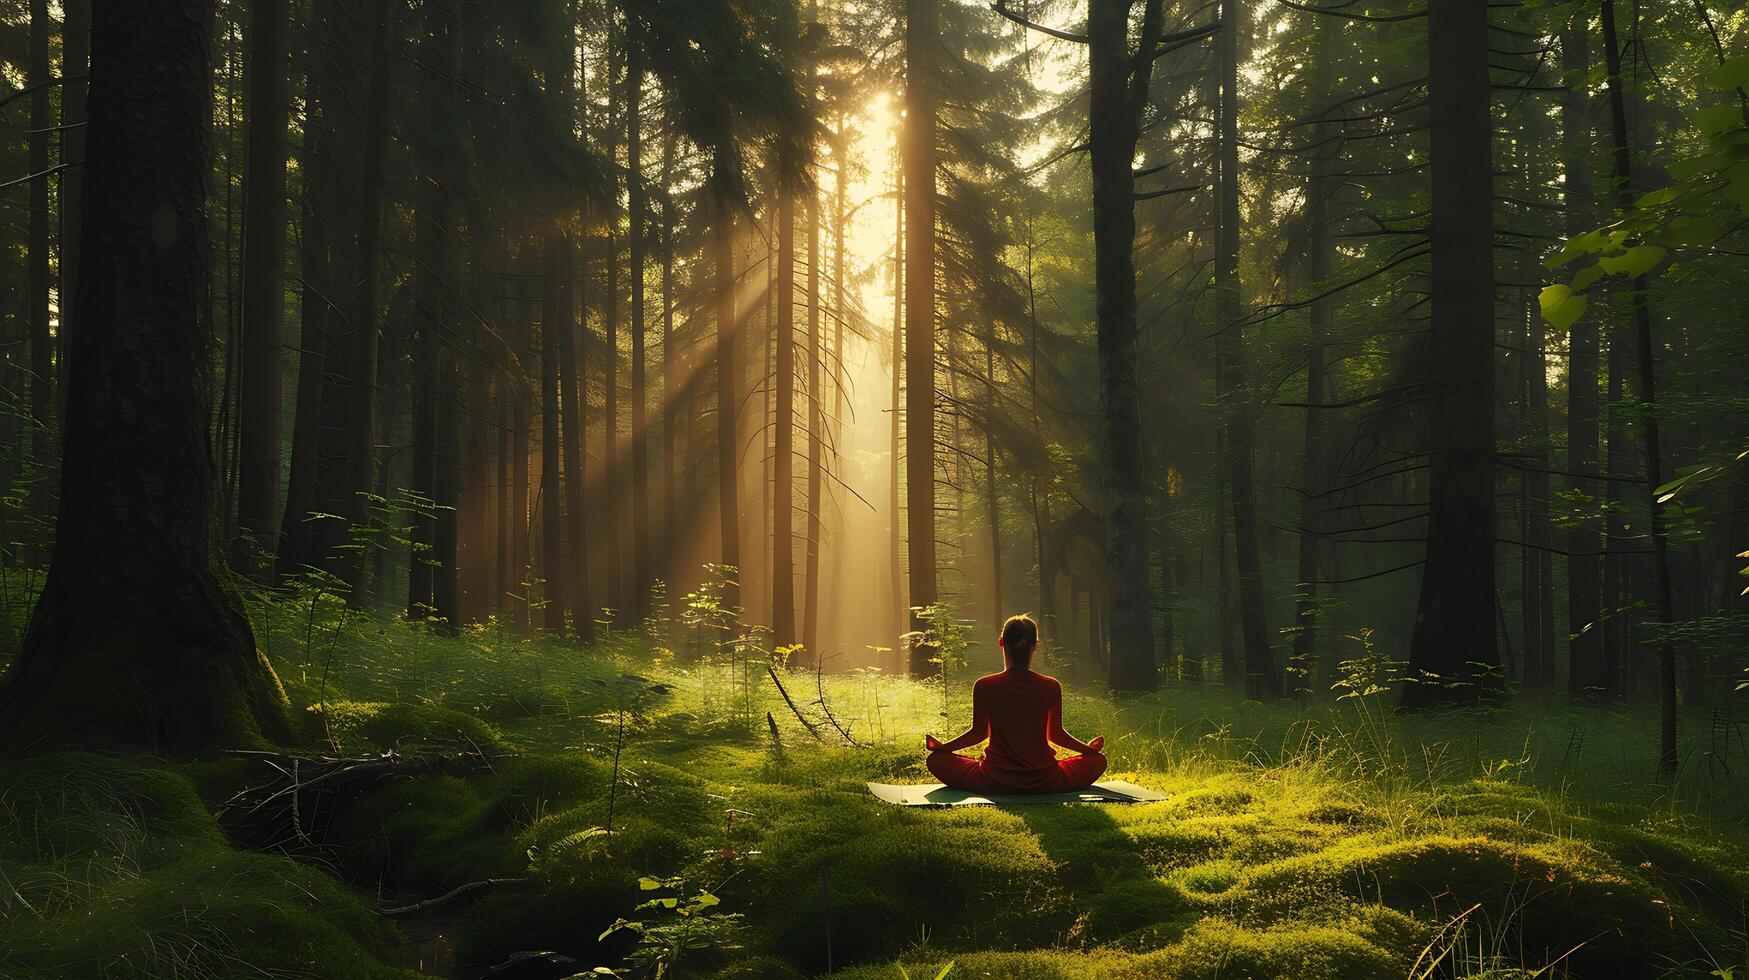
(943, 637)
(674, 925)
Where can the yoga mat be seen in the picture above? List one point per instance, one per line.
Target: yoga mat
(935, 794)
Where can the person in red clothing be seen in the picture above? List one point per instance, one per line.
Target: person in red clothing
(1021, 713)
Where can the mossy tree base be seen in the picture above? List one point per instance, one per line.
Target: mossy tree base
(136, 639)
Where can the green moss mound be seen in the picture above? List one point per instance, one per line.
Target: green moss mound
(116, 869)
(410, 728)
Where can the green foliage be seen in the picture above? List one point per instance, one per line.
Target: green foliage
(1330, 841)
(1693, 212)
(674, 925)
(943, 637)
(114, 868)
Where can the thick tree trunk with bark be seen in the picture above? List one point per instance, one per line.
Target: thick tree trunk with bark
(334, 433)
(1320, 259)
(917, 164)
(1112, 149)
(521, 320)
(555, 266)
(302, 541)
(1585, 629)
(266, 106)
(1262, 678)
(728, 489)
(134, 638)
(783, 580)
(446, 486)
(816, 437)
(1455, 617)
(40, 281)
(362, 351)
(572, 371)
(896, 413)
(75, 63)
(992, 475)
(613, 591)
(672, 379)
(1663, 603)
(427, 381)
(642, 573)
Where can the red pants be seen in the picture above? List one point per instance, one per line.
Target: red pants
(959, 772)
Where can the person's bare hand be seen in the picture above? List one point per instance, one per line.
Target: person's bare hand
(931, 743)
(1098, 743)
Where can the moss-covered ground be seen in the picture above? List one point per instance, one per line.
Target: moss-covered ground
(1298, 840)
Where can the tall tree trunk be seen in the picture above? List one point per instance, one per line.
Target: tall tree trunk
(614, 591)
(1262, 677)
(641, 569)
(431, 577)
(816, 436)
(75, 63)
(553, 325)
(1313, 471)
(427, 382)
(362, 353)
(446, 541)
(1454, 623)
(672, 379)
(840, 229)
(573, 401)
(1168, 625)
(783, 602)
(992, 501)
(519, 527)
(723, 256)
(266, 106)
(135, 639)
(225, 443)
(1617, 664)
(394, 384)
(1312, 475)
(1040, 488)
(1586, 674)
(508, 422)
(1539, 600)
(42, 364)
(1663, 601)
(918, 168)
(896, 413)
(1112, 144)
(1232, 677)
(303, 541)
(334, 432)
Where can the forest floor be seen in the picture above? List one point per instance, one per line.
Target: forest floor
(1336, 840)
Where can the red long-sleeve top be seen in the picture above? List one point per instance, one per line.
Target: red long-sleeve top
(1021, 713)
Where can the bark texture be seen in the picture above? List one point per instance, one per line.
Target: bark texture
(1455, 616)
(135, 639)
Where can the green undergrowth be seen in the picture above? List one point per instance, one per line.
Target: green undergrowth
(1310, 841)
(115, 868)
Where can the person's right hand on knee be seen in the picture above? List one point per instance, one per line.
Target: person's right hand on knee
(931, 743)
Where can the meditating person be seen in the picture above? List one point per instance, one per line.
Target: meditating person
(1021, 712)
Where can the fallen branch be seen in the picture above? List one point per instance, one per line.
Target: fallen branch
(820, 689)
(472, 886)
(812, 730)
